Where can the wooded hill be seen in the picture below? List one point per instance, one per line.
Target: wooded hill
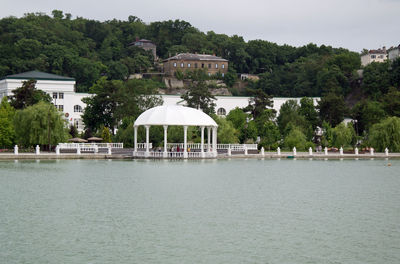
(88, 49)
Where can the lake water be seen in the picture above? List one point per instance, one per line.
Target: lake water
(213, 211)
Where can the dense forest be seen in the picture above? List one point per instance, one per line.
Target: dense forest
(88, 49)
(99, 56)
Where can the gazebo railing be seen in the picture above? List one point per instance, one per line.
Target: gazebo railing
(143, 145)
(234, 147)
(91, 146)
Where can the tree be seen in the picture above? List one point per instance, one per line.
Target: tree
(7, 132)
(73, 131)
(366, 113)
(376, 79)
(307, 109)
(342, 135)
(289, 117)
(386, 134)
(391, 102)
(332, 109)
(106, 135)
(258, 103)
(39, 124)
(28, 95)
(227, 134)
(199, 95)
(296, 138)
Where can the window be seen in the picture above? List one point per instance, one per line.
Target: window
(175, 64)
(209, 65)
(54, 95)
(195, 65)
(373, 56)
(202, 65)
(221, 111)
(381, 56)
(61, 95)
(223, 66)
(61, 108)
(216, 66)
(223, 74)
(182, 64)
(188, 65)
(77, 109)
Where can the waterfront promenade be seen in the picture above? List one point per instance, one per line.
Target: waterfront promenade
(127, 154)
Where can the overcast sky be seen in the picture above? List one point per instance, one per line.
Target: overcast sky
(351, 24)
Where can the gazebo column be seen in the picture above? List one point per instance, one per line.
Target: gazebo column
(214, 142)
(202, 142)
(185, 154)
(147, 154)
(165, 141)
(135, 140)
(209, 139)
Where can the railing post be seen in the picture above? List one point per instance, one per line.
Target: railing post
(278, 150)
(245, 150)
(78, 150)
(229, 151)
(341, 151)
(386, 152)
(356, 151)
(294, 151)
(109, 150)
(310, 151)
(37, 150)
(16, 150)
(58, 150)
(326, 151)
(371, 151)
(262, 151)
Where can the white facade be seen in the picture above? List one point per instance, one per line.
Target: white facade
(61, 91)
(394, 53)
(224, 104)
(373, 56)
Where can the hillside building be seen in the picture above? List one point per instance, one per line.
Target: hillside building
(146, 45)
(394, 53)
(60, 88)
(189, 61)
(379, 55)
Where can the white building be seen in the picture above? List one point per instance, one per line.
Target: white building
(394, 53)
(378, 55)
(224, 104)
(60, 88)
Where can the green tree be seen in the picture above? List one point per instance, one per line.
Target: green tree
(199, 95)
(307, 109)
(28, 95)
(73, 131)
(258, 103)
(343, 135)
(332, 109)
(367, 113)
(295, 138)
(227, 134)
(7, 132)
(376, 79)
(106, 135)
(391, 102)
(386, 134)
(39, 124)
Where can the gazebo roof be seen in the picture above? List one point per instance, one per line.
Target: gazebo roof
(174, 115)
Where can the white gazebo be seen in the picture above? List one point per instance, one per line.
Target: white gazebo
(176, 115)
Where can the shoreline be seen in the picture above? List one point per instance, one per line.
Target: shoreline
(267, 155)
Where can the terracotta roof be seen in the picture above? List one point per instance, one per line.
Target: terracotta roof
(37, 75)
(199, 57)
(379, 51)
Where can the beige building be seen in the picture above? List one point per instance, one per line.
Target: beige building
(378, 55)
(146, 45)
(189, 61)
(394, 53)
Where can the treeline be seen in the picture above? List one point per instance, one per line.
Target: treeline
(88, 49)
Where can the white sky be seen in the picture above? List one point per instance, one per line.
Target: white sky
(351, 24)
